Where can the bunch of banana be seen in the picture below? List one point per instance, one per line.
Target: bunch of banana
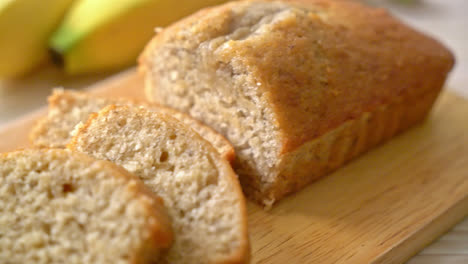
(92, 36)
(25, 28)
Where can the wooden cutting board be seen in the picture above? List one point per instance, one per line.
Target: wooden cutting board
(381, 208)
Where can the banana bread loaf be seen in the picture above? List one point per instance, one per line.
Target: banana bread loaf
(298, 87)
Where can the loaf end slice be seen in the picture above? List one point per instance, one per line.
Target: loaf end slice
(68, 108)
(276, 77)
(199, 188)
(58, 206)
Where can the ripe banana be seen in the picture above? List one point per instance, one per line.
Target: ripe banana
(25, 27)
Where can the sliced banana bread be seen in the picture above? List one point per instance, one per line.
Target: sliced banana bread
(298, 87)
(68, 108)
(59, 206)
(199, 188)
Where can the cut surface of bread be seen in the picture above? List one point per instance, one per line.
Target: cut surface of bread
(59, 206)
(68, 108)
(276, 77)
(199, 188)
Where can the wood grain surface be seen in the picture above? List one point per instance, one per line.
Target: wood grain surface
(381, 208)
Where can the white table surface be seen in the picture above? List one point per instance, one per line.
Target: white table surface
(446, 20)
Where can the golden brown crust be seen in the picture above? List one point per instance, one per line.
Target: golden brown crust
(383, 58)
(243, 254)
(330, 151)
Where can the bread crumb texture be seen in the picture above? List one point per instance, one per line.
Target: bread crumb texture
(57, 206)
(199, 188)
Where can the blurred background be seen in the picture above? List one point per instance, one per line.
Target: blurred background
(75, 43)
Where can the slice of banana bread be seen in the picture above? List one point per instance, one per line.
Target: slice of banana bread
(59, 206)
(68, 108)
(199, 188)
(298, 87)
